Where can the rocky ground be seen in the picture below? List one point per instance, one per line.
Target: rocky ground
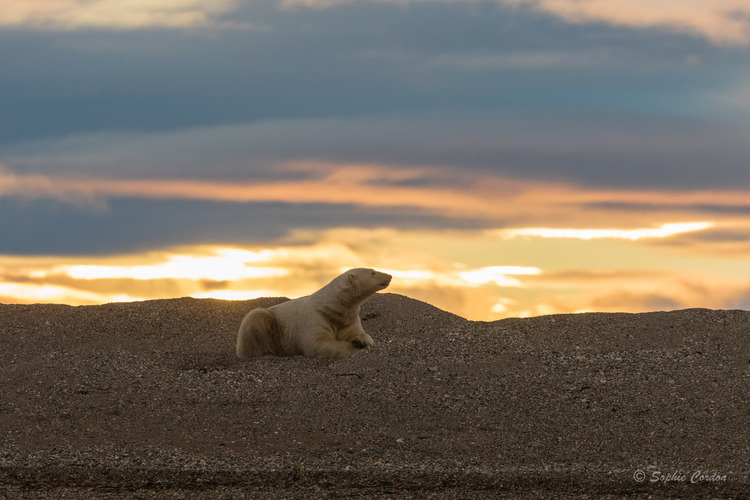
(147, 400)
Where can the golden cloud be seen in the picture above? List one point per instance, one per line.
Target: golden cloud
(663, 231)
(115, 14)
(240, 273)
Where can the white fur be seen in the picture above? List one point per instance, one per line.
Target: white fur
(325, 324)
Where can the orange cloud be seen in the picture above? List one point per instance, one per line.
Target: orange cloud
(725, 22)
(431, 190)
(721, 21)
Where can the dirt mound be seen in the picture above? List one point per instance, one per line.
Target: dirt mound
(148, 399)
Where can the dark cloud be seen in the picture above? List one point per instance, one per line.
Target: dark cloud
(705, 208)
(350, 60)
(478, 89)
(127, 225)
(671, 153)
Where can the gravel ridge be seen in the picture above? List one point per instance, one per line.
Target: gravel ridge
(147, 400)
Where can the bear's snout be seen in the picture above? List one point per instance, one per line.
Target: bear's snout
(386, 280)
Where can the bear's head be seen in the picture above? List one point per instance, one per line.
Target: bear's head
(362, 282)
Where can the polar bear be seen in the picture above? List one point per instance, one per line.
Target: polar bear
(325, 324)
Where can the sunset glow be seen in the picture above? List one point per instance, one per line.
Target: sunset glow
(498, 158)
(481, 274)
(226, 264)
(499, 275)
(561, 279)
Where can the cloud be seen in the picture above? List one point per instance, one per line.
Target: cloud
(537, 60)
(200, 270)
(40, 293)
(732, 98)
(472, 273)
(665, 230)
(721, 21)
(672, 292)
(725, 22)
(419, 189)
(242, 273)
(499, 275)
(222, 265)
(365, 185)
(112, 14)
(621, 150)
(639, 301)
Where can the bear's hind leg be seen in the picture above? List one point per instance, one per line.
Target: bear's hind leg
(257, 335)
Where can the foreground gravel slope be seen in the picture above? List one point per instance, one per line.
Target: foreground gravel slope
(147, 400)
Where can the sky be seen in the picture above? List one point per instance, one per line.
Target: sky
(500, 158)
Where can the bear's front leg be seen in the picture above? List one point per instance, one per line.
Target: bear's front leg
(356, 335)
(362, 341)
(325, 344)
(333, 349)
